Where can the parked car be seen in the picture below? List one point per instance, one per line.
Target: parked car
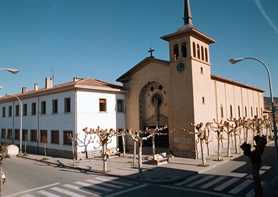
(3, 177)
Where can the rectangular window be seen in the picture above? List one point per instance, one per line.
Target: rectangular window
(201, 70)
(10, 134)
(222, 111)
(10, 111)
(25, 135)
(231, 111)
(25, 110)
(67, 135)
(33, 108)
(120, 105)
(3, 112)
(102, 105)
(55, 106)
(67, 105)
(16, 134)
(43, 107)
(203, 100)
(55, 137)
(3, 135)
(17, 110)
(43, 136)
(33, 135)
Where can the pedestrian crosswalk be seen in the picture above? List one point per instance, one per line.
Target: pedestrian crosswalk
(230, 185)
(96, 186)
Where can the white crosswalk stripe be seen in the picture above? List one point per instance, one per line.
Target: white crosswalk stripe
(114, 181)
(80, 189)
(209, 184)
(94, 186)
(241, 186)
(67, 192)
(104, 184)
(189, 179)
(47, 194)
(200, 181)
(226, 184)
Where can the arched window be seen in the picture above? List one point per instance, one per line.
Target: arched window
(238, 111)
(231, 111)
(183, 50)
(246, 112)
(198, 51)
(221, 111)
(206, 54)
(176, 51)
(194, 49)
(202, 52)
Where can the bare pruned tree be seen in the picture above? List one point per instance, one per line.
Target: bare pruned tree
(105, 137)
(203, 137)
(229, 130)
(86, 141)
(73, 144)
(219, 129)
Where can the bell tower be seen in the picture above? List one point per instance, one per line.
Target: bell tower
(191, 94)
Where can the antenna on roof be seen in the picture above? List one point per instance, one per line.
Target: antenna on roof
(53, 75)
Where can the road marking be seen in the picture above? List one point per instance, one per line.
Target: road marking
(189, 179)
(252, 193)
(94, 186)
(226, 184)
(80, 189)
(127, 190)
(113, 181)
(196, 190)
(106, 184)
(240, 187)
(265, 167)
(200, 181)
(34, 189)
(27, 195)
(212, 182)
(48, 194)
(57, 189)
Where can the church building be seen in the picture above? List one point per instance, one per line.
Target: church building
(174, 93)
(182, 91)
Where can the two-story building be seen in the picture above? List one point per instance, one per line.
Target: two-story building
(51, 113)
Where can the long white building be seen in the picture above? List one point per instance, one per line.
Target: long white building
(50, 113)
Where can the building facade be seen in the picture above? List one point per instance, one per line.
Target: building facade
(51, 114)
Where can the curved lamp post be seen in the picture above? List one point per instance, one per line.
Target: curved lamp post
(12, 70)
(20, 130)
(235, 60)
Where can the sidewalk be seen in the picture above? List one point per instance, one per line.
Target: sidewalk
(176, 170)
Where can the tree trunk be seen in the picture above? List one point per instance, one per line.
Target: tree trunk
(235, 139)
(228, 144)
(123, 140)
(219, 146)
(134, 152)
(140, 157)
(153, 144)
(104, 156)
(203, 153)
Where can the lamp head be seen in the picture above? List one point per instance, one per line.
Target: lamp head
(12, 70)
(235, 60)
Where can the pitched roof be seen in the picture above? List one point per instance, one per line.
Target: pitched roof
(126, 76)
(86, 83)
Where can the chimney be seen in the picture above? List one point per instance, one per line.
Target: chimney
(48, 83)
(76, 79)
(36, 86)
(24, 90)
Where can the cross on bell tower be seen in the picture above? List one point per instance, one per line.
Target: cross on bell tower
(151, 52)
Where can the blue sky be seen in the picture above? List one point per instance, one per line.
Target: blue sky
(102, 39)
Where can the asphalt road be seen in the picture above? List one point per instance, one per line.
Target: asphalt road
(29, 178)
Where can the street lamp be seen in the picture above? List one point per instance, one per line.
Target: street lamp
(12, 70)
(20, 130)
(234, 61)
